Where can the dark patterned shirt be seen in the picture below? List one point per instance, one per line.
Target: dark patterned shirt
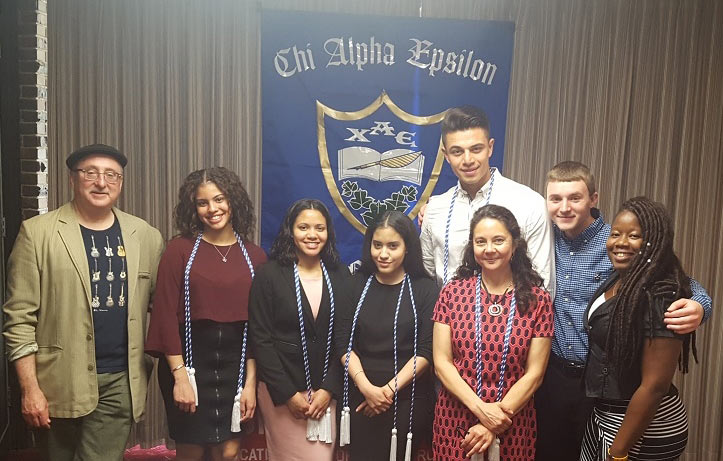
(109, 296)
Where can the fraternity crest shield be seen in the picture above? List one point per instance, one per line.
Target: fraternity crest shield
(378, 158)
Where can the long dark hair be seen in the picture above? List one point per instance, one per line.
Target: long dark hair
(283, 250)
(655, 272)
(413, 263)
(228, 182)
(523, 275)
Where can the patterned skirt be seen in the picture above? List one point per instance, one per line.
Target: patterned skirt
(664, 439)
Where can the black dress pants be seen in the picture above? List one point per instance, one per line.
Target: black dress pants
(562, 412)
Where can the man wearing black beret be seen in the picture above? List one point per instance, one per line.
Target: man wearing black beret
(80, 279)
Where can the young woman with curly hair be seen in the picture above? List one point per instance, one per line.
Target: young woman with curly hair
(200, 312)
(638, 414)
(492, 337)
(291, 314)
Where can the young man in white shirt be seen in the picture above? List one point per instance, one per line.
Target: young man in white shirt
(467, 148)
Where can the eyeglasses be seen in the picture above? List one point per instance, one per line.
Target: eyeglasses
(110, 176)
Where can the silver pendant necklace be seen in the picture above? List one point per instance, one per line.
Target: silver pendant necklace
(494, 309)
(224, 257)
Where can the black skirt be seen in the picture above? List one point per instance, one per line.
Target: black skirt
(216, 358)
(371, 437)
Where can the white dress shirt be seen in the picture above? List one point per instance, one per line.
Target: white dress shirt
(526, 205)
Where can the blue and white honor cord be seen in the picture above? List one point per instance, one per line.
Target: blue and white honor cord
(190, 370)
(493, 453)
(345, 438)
(316, 429)
(445, 277)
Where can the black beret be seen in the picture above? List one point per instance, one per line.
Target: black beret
(95, 149)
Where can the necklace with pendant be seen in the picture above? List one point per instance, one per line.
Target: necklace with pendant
(495, 309)
(223, 256)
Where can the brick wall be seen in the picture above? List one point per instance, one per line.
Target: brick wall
(33, 105)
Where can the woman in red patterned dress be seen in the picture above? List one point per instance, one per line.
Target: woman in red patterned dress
(492, 336)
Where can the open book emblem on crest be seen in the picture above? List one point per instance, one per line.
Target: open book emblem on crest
(378, 158)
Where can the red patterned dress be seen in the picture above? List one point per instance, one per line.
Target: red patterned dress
(455, 308)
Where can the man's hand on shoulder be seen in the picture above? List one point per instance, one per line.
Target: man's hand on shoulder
(684, 316)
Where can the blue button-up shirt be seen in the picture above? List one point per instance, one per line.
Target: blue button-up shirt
(581, 266)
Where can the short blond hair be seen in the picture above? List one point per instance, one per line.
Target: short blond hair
(569, 171)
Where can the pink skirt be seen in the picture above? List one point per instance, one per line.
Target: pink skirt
(286, 435)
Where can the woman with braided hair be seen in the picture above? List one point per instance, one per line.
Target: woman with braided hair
(638, 414)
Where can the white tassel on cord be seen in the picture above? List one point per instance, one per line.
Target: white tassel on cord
(326, 425)
(191, 372)
(393, 447)
(236, 414)
(493, 453)
(345, 429)
(408, 450)
(477, 457)
(312, 429)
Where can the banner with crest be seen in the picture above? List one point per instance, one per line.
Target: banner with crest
(352, 105)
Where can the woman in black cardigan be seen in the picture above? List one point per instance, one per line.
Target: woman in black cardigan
(299, 374)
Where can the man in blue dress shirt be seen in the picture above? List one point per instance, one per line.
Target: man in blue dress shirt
(581, 266)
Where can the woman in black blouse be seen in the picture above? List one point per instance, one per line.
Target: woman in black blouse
(390, 318)
(291, 316)
(633, 356)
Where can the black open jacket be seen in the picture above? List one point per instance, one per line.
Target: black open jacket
(275, 336)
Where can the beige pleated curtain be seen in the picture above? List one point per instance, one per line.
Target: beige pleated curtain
(632, 88)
